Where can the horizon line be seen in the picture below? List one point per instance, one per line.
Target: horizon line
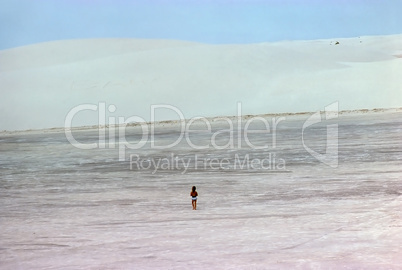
(171, 121)
(195, 41)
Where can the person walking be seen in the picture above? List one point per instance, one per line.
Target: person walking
(194, 195)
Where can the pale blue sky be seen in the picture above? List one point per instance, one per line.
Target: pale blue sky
(24, 22)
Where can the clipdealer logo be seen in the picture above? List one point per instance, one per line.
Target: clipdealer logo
(148, 130)
(116, 128)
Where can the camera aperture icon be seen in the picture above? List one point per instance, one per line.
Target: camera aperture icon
(330, 157)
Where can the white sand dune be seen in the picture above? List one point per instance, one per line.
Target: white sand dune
(41, 83)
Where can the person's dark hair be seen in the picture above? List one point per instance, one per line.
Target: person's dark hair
(194, 188)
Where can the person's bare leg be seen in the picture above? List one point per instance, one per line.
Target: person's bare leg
(195, 205)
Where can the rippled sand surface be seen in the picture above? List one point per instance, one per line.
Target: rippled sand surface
(67, 208)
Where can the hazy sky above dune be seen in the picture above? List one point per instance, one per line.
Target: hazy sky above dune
(24, 22)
